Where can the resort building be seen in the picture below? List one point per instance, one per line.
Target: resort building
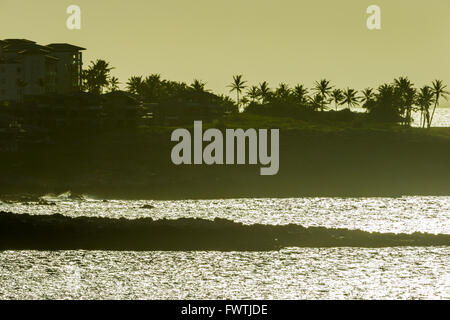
(27, 68)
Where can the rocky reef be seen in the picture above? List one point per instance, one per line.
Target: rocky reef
(58, 232)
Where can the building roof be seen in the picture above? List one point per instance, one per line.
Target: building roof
(28, 47)
(17, 41)
(34, 50)
(64, 47)
(22, 46)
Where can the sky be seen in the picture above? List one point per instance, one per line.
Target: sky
(291, 41)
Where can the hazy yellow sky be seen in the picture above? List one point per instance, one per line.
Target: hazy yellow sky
(294, 41)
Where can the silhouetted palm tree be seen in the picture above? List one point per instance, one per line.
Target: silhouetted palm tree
(154, 88)
(425, 99)
(300, 93)
(114, 84)
(409, 98)
(264, 91)
(324, 88)
(386, 94)
(135, 84)
(439, 92)
(316, 101)
(351, 97)
(253, 93)
(198, 86)
(368, 95)
(282, 92)
(96, 77)
(244, 101)
(406, 94)
(237, 85)
(368, 99)
(337, 96)
(153, 79)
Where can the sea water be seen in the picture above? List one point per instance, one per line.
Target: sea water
(291, 273)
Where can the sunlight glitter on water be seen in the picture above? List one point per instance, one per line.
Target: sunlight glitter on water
(403, 214)
(441, 117)
(292, 273)
(300, 273)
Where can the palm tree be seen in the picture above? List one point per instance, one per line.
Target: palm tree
(237, 85)
(351, 97)
(438, 91)
(282, 92)
(228, 104)
(300, 93)
(264, 91)
(153, 88)
(425, 99)
(409, 99)
(198, 85)
(114, 84)
(406, 94)
(368, 95)
(96, 77)
(324, 88)
(153, 78)
(253, 93)
(102, 70)
(316, 101)
(368, 99)
(386, 94)
(402, 84)
(245, 101)
(135, 84)
(337, 96)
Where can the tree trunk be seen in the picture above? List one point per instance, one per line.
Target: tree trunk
(421, 115)
(434, 109)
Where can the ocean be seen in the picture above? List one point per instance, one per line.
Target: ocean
(289, 273)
